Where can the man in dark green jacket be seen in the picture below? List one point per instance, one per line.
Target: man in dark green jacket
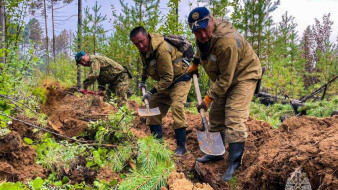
(173, 84)
(234, 68)
(105, 71)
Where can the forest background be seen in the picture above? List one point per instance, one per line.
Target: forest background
(34, 52)
(296, 63)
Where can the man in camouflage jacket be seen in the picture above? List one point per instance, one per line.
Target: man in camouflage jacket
(105, 71)
(234, 68)
(173, 84)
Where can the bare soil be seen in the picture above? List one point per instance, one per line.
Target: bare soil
(270, 156)
(17, 162)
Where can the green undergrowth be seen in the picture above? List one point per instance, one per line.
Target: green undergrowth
(322, 108)
(272, 113)
(143, 163)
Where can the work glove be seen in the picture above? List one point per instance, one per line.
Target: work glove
(142, 85)
(83, 91)
(147, 96)
(205, 103)
(193, 69)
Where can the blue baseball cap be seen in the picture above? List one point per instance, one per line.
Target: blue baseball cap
(198, 18)
(78, 56)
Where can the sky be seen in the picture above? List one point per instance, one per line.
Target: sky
(304, 11)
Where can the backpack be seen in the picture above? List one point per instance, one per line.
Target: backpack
(182, 44)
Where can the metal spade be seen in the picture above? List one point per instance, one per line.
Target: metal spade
(148, 111)
(210, 142)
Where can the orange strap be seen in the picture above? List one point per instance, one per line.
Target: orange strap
(207, 100)
(192, 68)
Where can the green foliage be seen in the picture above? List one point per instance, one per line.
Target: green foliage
(119, 157)
(271, 113)
(94, 34)
(285, 67)
(233, 183)
(171, 24)
(56, 156)
(63, 70)
(115, 129)
(13, 186)
(37, 183)
(153, 166)
(137, 99)
(321, 108)
(11, 78)
(40, 93)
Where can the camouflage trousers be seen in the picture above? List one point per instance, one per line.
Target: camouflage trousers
(174, 97)
(229, 113)
(118, 87)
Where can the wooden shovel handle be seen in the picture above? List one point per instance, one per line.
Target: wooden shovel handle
(199, 100)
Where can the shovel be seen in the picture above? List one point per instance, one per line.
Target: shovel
(148, 111)
(210, 143)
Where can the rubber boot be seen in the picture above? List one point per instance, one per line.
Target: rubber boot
(180, 141)
(235, 157)
(156, 130)
(210, 158)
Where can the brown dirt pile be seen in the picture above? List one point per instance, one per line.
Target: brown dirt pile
(306, 142)
(17, 162)
(70, 113)
(270, 156)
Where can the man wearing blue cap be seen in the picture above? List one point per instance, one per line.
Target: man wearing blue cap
(105, 71)
(234, 68)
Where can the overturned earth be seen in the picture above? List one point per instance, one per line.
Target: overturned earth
(270, 159)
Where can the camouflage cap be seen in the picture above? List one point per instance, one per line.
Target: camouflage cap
(78, 56)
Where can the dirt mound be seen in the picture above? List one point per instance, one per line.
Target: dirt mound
(25, 130)
(70, 113)
(306, 142)
(78, 171)
(270, 155)
(17, 162)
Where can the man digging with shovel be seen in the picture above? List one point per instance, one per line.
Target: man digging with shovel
(234, 68)
(171, 90)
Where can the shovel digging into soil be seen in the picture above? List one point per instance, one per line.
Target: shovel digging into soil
(210, 143)
(148, 111)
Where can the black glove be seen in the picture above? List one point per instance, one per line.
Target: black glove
(142, 85)
(147, 96)
(202, 106)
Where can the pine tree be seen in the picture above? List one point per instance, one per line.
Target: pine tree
(171, 24)
(140, 13)
(94, 35)
(256, 22)
(285, 66)
(320, 53)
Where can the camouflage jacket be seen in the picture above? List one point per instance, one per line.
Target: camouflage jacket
(158, 62)
(104, 70)
(228, 60)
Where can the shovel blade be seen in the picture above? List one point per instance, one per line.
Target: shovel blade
(210, 143)
(149, 112)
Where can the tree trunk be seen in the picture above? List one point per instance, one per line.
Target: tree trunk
(79, 35)
(53, 26)
(2, 29)
(47, 44)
